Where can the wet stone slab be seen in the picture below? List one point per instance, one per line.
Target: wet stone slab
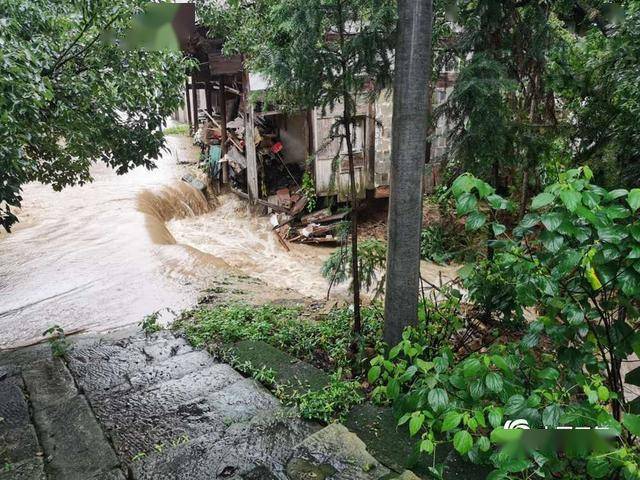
(256, 449)
(18, 440)
(49, 382)
(170, 369)
(74, 443)
(163, 413)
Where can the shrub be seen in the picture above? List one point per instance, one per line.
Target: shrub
(574, 263)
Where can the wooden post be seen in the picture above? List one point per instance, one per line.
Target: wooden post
(186, 94)
(370, 129)
(207, 96)
(249, 124)
(194, 97)
(223, 140)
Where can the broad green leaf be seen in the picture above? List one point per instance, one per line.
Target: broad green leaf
(542, 200)
(552, 220)
(551, 416)
(613, 235)
(374, 373)
(466, 203)
(603, 393)
(514, 404)
(484, 189)
(588, 173)
(475, 221)
(464, 183)
(423, 366)
(571, 199)
(472, 368)
(498, 229)
(614, 194)
(483, 444)
(632, 423)
(426, 446)
(495, 417)
(476, 389)
(552, 241)
(451, 420)
(438, 399)
(501, 363)
(415, 424)
(634, 199)
(462, 442)
(494, 382)
(393, 389)
(598, 467)
(497, 202)
(549, 374)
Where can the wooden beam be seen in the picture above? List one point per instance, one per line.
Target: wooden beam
(194, 96)
(370, 132)
(186, 94)
(252, 165)
(207, 95)
(223, 114)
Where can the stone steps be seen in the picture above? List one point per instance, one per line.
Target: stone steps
(157, 409)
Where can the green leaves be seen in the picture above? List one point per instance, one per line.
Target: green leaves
(59, 83)
(632, 423)
(634, 199)
(374, 373)
(451, 420)
(542, 200)
(415, 423)
(462, 442)
(472, 368)
(467, 203)
(551, 416)
(552, 220)
(494, 382)
(515, 404)
(475, 221)
(438, 399)
(571, 199)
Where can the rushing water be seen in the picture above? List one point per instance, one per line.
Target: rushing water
(104, 255)
(84, 258)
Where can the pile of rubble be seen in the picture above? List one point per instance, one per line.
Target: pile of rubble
(291, 223)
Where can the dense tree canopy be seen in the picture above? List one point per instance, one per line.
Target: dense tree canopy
(545, 85)
(69, 98)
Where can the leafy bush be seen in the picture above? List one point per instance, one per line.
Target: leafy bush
(308, 188)
(433, 244)
(57, 340)
(574, 262)
(444, 239)
(149, 323)
(333, 401)
(323, 341)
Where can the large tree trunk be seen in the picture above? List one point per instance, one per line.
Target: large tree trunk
(412, 74)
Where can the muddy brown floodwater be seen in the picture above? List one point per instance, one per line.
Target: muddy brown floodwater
(104, 255)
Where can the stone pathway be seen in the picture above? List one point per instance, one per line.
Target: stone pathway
(142, 408)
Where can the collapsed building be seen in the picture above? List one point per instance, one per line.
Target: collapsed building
(263, 154)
